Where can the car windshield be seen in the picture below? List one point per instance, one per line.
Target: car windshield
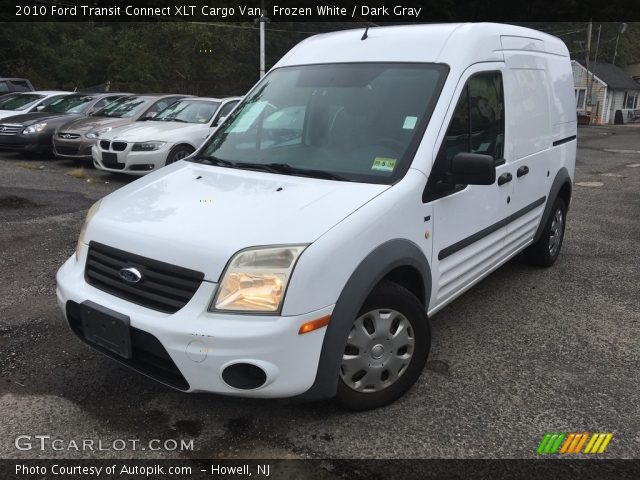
(20, 101)
(357, 122)
(70, 104)
(125, 107)
(188, 111)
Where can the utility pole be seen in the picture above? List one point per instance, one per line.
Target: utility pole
(621, 30)
(595, 59)
(593, 73)
(263, 19)
(587, 59)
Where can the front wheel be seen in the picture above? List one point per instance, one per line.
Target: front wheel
(545, 251)
(386, 349)
(178, 153)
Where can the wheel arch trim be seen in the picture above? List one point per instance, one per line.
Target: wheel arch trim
(375, 266)
(561, 179)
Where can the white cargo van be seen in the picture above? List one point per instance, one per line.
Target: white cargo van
(363, 184)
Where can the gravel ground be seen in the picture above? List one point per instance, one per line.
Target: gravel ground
(527, 351)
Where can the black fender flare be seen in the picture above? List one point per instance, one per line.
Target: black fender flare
(562, 178)
(375, 266)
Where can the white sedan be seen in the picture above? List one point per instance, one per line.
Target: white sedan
(27, 102)
(175, 133)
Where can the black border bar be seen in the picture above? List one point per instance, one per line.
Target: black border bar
(373, 11)
(329, 469)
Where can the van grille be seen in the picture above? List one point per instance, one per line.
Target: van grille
(10, 129)
(164, 287)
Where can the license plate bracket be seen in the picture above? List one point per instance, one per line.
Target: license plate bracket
(106, 328)
(110, 157)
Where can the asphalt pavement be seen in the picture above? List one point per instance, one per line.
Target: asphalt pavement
(525, 352)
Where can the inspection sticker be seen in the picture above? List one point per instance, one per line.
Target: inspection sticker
(383, 164)
(409, 123)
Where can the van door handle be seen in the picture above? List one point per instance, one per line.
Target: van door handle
(522, 171)
(504, 178)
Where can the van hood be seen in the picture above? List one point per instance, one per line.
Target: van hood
(152, 130)
(197, 216)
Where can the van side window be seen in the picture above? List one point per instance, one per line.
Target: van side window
(477, 126)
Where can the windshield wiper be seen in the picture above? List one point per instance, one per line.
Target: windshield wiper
(282, 168)
(211, 160)
(287, 169)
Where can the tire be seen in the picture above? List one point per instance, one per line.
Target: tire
(372, 354)
(545, 251)
(178, 153)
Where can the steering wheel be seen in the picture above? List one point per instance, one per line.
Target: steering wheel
(391, 143)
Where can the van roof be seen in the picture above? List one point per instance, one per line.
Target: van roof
(456, 44)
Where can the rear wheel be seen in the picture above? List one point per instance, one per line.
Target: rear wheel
(178, 153)
(386, 349)
(545, 251)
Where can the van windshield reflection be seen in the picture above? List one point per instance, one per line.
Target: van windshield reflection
(354, 122)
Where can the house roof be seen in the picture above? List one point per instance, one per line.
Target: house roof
(613, 76)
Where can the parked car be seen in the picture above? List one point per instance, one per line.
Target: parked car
(75, 138)
(362, 185)
(19, 103)
(175, 133)
(8, 85)
(33, 132)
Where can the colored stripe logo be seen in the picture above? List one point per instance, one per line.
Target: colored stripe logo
(568, 443)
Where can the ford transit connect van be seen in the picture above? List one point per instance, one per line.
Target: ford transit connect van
(357, 189)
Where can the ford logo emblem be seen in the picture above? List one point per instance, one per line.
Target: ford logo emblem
(130, 274)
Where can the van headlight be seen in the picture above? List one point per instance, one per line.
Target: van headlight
(147, 146)
(35, 128)
(90, 214)
(256, 279)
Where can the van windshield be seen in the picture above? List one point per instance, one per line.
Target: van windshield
(357, 122)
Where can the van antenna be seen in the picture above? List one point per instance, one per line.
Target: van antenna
(365, 35)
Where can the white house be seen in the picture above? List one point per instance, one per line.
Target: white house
(611, 90)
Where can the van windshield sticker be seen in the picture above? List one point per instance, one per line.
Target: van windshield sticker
(383, 164)
(409, 123)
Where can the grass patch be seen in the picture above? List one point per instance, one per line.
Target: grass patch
(77, 173)
(29, 166)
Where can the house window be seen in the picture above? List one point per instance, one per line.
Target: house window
(581, 95)
(630, 100)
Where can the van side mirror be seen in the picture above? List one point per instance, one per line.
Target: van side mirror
(472, 169)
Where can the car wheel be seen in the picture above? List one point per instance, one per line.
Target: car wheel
(178, 153)
(386, 349)
(545, 251)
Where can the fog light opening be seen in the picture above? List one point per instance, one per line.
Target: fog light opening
(244, 376)
(142, 166)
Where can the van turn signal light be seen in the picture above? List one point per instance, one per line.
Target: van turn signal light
(314, 325)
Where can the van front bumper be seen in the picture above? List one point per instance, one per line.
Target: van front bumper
(201, 344)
